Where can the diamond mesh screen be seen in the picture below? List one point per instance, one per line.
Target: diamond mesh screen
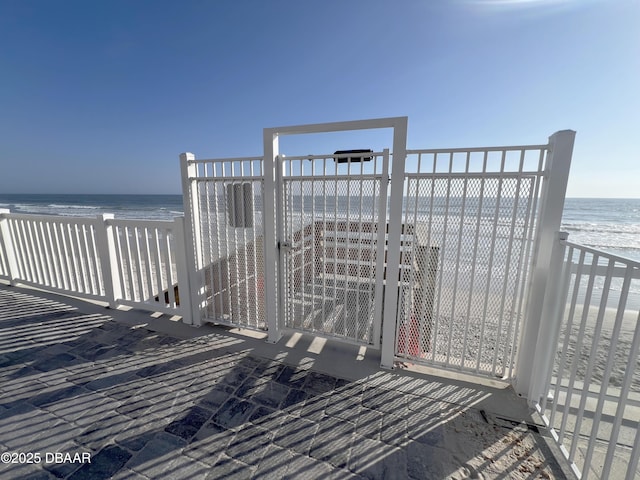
(331, 225)
(461, 290)
(231, 225)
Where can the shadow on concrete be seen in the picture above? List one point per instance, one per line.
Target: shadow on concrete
(147, 404)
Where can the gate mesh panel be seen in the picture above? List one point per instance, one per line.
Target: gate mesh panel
(330, 222)
(232, 248)
(460, 293)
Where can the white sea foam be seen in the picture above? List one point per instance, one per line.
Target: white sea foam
(78, 207)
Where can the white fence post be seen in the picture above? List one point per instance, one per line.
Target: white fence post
(192, 239)
(549, 331)
(6, 243)
(552, 203)
(182, 268)
(390, 316)
(271, 254)
(108, 259)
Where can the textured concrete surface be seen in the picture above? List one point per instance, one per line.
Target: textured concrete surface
(92, 393)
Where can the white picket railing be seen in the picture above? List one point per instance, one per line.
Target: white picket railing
(136, 263)
(590, 396)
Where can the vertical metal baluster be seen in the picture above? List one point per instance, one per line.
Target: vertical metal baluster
(118, 233)
(626, 383)
(444, 246)
(490, 265)
(215, 188)
(85, 247)
(170, 273)
(335, 250)
(137, 232)
(70, 252)
(360, 318)
(474, 259)
(588, 376)
(378, 235)
(324, 243)
(249, 279)
(46, 256)
(52, 252)
(347, 250)
(436, 323)
(578, 347)
(26, 226)
(154, 249)
(312, 227)
(78, 257)
(95, 261)
(458, 252)
(129, 256)
(426, 317)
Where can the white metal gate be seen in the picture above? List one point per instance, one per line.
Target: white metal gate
(295, 243)
(332, 211)
(473, 213)
(435, 256)
(331, 254)
(224, 205)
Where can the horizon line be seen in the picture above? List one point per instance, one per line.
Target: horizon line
(180, 194)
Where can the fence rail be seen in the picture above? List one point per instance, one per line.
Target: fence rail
(56, 252)
(590, 398)
(124, 262)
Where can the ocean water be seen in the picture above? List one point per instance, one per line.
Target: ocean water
(147, 207)
(611, 225)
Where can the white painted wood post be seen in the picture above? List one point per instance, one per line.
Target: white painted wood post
(182, 268)
(395, 229)
(192, 239)
(7, 246)
(271, 253)
(552, 204)
(108, 259)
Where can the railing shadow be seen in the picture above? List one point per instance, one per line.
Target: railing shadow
(148, 403)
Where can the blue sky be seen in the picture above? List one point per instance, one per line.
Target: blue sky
(102, 96)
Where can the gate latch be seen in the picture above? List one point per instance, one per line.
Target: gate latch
(284, 247)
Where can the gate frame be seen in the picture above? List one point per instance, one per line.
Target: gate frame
(272, 258)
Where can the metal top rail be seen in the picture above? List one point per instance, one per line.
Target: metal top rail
(479, 149)
(329, 156)
(610, 256)
(227, 160)
(34, 217)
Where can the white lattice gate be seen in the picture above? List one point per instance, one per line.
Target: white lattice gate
(474, 213)
(331, 236)
(428, 254)
(333, 226)
(224, 205)
(296, 243)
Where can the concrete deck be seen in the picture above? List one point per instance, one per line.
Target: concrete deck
(144, 396)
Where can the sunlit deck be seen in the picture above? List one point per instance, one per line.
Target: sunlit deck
(312, 278)
(147, 397)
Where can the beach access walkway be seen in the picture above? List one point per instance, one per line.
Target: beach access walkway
(93, 393)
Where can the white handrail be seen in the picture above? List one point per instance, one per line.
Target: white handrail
(591, 389)
(139, 263)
